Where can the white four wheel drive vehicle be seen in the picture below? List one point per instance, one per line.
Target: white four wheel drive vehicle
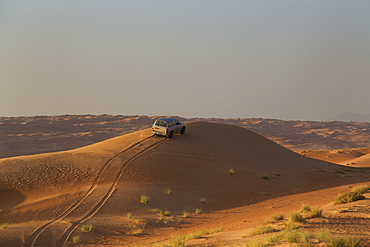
(167, 127)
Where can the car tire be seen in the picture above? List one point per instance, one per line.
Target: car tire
(170, 135)
(182, 131)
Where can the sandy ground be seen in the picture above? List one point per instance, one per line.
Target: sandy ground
(46, 198)
(43, 134)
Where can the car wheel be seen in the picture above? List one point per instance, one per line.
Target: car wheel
(170, 135)
(182, 131)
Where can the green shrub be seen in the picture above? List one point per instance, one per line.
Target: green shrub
(295, 217)
(231, 172)
(168, 190)
(186, 214)
(361, 188)
(4, 226)
(316, 212)
(264, 176)
(76, 239)
(348, 197)
(130, 216)
(144, 199)
(323, 235)
(305, 208)
(261, 230)
(166, 213)
(87, 227)
(297, 236)
(278, 216)
(257, 243)
(351, 241)
(198, 211)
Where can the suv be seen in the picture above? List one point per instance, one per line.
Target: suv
(167, 127)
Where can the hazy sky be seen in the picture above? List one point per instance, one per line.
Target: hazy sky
(285, 59)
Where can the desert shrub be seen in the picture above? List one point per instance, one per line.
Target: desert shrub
(144, 199)
(76, 239)
(87, 227)
(351, 241)
(264, 176)
(198, 211)
(348, 197)
(168, 190)
(296, 236)
(231, 172)
(291, 226)
(295, 217)
(257, 243)
(316, 212)
(323, 235)
(261, 230)
(130, 216)
(274, 238)
(202, 200)
(335, 242)
(186, 214)
(166, 213)
(137, 231)
(278, 216)
(4, 226)
(180, 240)
(292, 236)
(305, 208)
(361, 188)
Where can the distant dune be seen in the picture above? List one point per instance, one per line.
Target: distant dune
(102, 183)
(42, 134)
(350, 116)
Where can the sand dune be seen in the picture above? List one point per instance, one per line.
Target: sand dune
(44, 134)
(102, 182)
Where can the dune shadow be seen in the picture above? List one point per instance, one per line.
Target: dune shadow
(10, 198)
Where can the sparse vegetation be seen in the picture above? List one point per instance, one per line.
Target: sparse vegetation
(76, 239)
(291, 226)
(325, 236)
(87, 227)
(186, 214)
(348, 197)
(264, 176)
(231, 172)
(4, 226)
(144, 199)
(274, 218)
(130, 216)
(295, 217)
(202, 200)
(360, 189)
(351, 241)
(315, 212)
(198, 211)
(166, 213)
(261, 230)
(297, 236)
(257, 243)
(168, 190)
(180, 240)
(278, 216)
(305, 208)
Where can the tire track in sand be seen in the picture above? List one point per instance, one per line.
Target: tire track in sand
(31, 240)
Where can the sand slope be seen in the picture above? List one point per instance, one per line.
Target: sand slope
(114, 173)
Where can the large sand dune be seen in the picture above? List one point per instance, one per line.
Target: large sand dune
(101, 183)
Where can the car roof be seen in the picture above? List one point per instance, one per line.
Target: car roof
(167, 119)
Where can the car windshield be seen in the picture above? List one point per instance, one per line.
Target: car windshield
(160, 123)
